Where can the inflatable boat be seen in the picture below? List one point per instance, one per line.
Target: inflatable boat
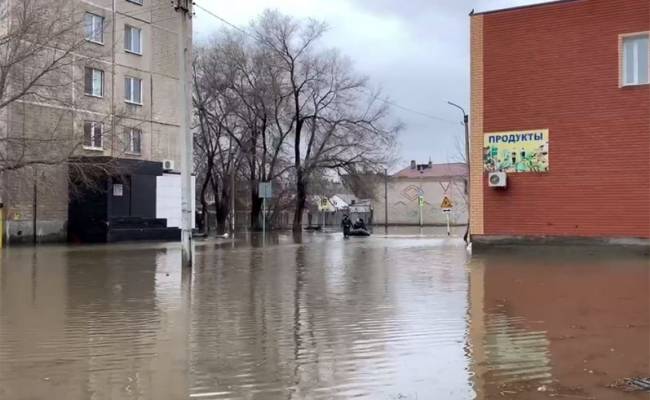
(359, 232)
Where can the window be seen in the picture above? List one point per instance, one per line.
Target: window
(133, 39)
(93, 135)
(94, 82)
(133, 90)
(636, 60)
(94, 25)
(133, 141)
(138, 2)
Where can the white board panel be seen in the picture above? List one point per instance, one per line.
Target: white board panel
(168, 199)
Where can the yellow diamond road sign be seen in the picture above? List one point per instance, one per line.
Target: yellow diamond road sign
(446, 203)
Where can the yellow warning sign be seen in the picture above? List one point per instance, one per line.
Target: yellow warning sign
(446, 203)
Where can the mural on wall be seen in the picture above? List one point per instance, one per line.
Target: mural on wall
(411, 192)
(519, 151)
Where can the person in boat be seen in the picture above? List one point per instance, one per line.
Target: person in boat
(360, 224)
(347, 225)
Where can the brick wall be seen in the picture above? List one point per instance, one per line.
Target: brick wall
(476, 127)
(556, 67)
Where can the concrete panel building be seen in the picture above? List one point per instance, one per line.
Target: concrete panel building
(118, 99)
(560, 105)
(432, 183)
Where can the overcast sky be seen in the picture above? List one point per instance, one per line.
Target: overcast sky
(416, 50)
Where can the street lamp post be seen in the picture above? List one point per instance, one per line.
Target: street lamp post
(468, 238)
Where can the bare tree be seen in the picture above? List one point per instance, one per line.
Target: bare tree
(239, 97)
(38, 41)
(43, 55)
(217, 156)
(292, 111)
(336, 121)
(363, 184)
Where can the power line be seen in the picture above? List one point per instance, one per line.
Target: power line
(420, 113)
(225, 21)
(389, 102)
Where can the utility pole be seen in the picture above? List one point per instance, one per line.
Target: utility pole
(264, 217)
(468, 234)
(35, 209)
(386, 199)
(183, 9)
(232, 200)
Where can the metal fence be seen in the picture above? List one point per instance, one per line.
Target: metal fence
(284, 219)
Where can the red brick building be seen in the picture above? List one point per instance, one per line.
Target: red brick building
(560, 101)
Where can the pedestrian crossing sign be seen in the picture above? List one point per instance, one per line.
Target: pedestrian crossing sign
(446, 203)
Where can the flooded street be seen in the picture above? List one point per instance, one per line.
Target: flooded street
(403, 316)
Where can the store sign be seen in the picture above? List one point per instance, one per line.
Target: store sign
(518, 151)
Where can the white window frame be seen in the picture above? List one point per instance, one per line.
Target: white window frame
(133, 28)
(93, 126)
(92, 80)
(623, 81)
(138, 2)
(130, 99)
(130, 141)
(91, 38)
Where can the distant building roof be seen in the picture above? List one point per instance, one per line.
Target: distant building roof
(339, 202)
(433, 171)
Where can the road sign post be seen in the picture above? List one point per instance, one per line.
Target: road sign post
(265, 192)
(447, 211)
(446, 206)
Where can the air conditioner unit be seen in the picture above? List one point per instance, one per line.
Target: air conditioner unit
(498, 179)
(168, 165)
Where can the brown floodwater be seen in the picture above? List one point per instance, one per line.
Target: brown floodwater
(409, 315)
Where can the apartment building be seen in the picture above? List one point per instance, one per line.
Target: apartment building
(120, 106)
(560, 142)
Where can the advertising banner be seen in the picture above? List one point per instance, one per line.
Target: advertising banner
(518, 151)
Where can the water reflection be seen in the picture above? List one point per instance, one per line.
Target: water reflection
(330, 319)
(318, 317)
(564, 322)
(86, 324)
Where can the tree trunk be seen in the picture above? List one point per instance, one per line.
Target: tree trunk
(205, 216)
(222, 217)
(301, 198)
(204, 206)
(256, 209)
(224, 210)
